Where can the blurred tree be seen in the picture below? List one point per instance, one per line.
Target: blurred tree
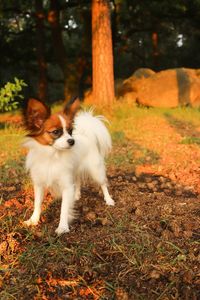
(102, 55)
(49, 41)
(40, 45)
(58, 44)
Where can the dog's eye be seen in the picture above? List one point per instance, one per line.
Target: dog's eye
(56, 133)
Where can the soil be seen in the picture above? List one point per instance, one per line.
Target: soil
(150, 211)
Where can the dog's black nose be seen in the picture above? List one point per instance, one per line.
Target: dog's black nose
(71, 142)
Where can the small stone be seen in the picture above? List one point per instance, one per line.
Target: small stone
(175, 228)
(150, 185)
(138, 212)
(120, 178)
(105, 221)
(155, 274)
(121, 294)
(162, 179)
(142, 185)
(91, 216)
(134, 179)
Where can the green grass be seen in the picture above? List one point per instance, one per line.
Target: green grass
(188, 140)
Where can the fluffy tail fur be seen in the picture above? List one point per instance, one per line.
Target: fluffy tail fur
(94, 128)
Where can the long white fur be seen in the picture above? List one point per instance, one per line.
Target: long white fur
(60, 167)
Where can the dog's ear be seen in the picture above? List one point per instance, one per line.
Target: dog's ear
(72, 107)
(35, 114)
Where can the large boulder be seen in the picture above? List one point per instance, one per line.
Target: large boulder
(127, 88)
(169, 88)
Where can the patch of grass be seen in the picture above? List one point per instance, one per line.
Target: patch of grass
(188, 140)
(118, 137)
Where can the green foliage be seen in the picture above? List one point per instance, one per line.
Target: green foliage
(188, 140)
(10, 95)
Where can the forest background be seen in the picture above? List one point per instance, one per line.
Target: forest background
(48, 43)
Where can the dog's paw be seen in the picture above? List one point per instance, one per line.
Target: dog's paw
(31, 222)
(110, 201)
(61, 230)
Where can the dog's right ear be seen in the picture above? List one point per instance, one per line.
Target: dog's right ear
(35, 114)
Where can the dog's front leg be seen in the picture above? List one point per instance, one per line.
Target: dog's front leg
(66, 207)
(39, 194)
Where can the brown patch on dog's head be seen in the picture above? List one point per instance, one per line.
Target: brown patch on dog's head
(35, 114)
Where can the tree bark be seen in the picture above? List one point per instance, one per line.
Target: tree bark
(155, 50)
(59, 48)
(40, 46)
(102, 54)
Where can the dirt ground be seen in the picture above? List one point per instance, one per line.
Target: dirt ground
(145, 247)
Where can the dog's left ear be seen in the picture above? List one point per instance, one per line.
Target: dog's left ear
(35, 114)
(72, 107)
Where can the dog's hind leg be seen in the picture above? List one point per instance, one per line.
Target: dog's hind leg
(98, 174)
(107, 197)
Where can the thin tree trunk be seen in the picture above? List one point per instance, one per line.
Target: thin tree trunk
(155, 49)
(59, 48)
(40, 45)
(83, 63)
(102, 54)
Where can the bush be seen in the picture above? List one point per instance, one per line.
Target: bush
(10, 95)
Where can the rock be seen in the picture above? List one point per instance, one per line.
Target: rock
(175, 228)
(162, 179)
(134, 178)
(138, 212)
(127, 88)
(169, 88)
(155, 274)
(143, 73)
(91, 216)
(121, 294)
(105, 221)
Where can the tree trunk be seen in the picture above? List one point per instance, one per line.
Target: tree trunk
(155, 50)
(40, 45)
(102, 55)
(58, 45)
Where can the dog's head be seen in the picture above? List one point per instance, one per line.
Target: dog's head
(51, 129)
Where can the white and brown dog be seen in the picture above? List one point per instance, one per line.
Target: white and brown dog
(64, 147)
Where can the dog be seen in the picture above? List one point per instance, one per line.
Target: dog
(63, 149)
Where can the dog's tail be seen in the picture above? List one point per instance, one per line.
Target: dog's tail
(93, 127)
